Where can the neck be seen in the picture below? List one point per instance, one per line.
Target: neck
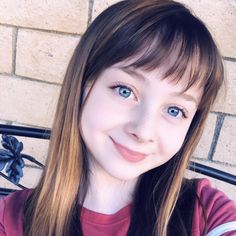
(107, 194)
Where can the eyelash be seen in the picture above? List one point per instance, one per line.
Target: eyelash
(118, 84)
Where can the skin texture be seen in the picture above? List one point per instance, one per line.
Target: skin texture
(140, 111)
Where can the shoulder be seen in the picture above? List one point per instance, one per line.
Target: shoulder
(216, 207)
(11, 211)
(14, 200)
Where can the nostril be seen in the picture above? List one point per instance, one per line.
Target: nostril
(137, 138)
(141, 139)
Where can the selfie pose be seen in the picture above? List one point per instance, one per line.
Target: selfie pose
(132, 108)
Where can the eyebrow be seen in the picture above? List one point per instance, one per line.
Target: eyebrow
(133, 73)
(185, 96)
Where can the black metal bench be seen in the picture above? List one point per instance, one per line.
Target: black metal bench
(12, 158)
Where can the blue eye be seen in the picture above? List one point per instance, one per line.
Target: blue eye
(176, 112)
(124, 91)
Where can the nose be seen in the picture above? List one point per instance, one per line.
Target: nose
(142, 127)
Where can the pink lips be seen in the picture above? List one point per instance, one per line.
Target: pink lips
(128, 154)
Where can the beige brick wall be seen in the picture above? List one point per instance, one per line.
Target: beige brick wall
(205, 145)
(219, 16)
(27, 102)
(37, 40)
(226, 102)
(42, 55)
(226, 147)
(6, 49)
(57, 15)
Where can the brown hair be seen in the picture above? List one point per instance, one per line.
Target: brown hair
(153, 31)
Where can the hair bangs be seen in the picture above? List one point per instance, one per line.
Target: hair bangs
(175, 48)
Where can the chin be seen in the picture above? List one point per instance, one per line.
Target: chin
(125, 174)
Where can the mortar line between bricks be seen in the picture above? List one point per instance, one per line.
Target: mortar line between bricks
(30, 79)
(44, 30)
(229, 59)
(219, 123)
(14, 46)
(90, 11)
(223, 113)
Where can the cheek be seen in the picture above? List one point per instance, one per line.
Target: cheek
(99, 114)
(172, 141)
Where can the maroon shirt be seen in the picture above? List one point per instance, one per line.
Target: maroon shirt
(220, 210)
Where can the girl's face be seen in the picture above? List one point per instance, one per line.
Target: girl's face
(133, 121)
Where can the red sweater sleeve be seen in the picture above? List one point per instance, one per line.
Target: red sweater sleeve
(218, 207)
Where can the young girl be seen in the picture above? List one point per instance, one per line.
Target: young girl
(131, 111)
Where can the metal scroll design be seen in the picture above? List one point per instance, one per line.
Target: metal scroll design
(12, 159)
